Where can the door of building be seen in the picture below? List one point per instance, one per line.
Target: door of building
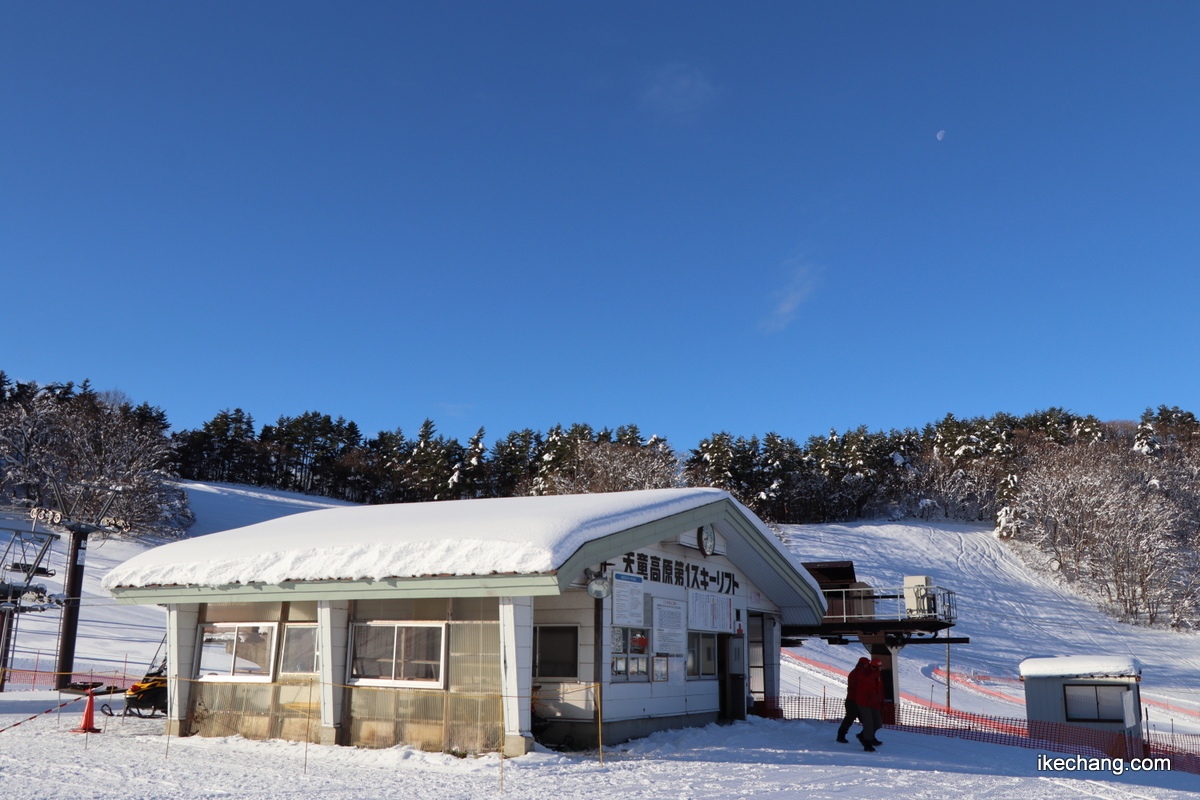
(731, 674)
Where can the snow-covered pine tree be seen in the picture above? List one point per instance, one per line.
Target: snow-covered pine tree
(431, 464)
(514, 463)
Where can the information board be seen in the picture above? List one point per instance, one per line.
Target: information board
(670, 627)
(628, 605)
(710, 612)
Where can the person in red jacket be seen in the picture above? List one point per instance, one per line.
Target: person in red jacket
(864, 701)
(870, 704)
(853, 681)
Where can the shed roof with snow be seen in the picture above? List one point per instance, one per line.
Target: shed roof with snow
(1081, 667)
(495, 546)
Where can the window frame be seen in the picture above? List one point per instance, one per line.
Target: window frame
(1117, 688)
(627, 653)
(415, 683)
(574, 677)
(233, 677)
(315, 628)
(693, 668)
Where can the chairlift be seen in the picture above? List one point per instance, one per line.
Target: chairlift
(31, 569)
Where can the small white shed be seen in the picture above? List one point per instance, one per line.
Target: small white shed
(1098, 692)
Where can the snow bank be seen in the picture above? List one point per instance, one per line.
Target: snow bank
(523, 535)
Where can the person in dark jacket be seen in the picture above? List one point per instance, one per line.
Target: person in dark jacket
(864, 702)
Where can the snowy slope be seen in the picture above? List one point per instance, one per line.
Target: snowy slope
(112, 636)
(1009, 612)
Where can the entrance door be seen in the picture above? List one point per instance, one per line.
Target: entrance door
(731, 674)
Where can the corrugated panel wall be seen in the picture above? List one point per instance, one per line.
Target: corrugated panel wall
(466, 718)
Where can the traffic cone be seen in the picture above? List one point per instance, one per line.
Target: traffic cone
(88, 725)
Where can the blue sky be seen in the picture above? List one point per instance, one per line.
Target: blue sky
(688, 216)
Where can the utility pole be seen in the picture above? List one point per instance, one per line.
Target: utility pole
(947, 676)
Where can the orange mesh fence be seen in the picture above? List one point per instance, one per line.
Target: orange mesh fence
(1182, 749)
(40, 679)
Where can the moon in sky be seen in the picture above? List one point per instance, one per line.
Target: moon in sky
(941, 135)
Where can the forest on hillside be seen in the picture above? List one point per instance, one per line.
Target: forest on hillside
(1114, 506)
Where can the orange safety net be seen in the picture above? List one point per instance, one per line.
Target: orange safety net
(1182, 749)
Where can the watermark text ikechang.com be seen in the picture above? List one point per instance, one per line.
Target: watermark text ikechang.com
(1116, 766)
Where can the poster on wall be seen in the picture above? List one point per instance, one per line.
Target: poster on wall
(710, 612)
(628, 604)
(670, 627)
(660, 671)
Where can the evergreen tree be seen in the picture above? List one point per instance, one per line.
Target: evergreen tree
(470, 476)
(431, 464)
(515, 463)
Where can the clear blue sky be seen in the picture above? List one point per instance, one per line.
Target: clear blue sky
(689, 216)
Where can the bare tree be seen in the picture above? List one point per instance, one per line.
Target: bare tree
(1103, 515)
(602, 466)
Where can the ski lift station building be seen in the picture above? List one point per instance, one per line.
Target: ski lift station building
(475, 625)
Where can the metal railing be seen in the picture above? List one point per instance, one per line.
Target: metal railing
(914, 602)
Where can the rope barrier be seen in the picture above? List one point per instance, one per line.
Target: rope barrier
(41, 713)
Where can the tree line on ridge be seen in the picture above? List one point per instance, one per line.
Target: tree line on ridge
(1113, 506)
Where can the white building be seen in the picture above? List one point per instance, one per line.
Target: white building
(441, 624)
(1098, 692)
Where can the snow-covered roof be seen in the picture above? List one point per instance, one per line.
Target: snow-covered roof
(1081, 667)
(512, 535)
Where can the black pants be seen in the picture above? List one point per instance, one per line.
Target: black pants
(870, 718)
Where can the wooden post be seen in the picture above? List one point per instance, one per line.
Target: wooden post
(598, 669)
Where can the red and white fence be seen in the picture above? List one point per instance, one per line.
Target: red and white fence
(1182, 749)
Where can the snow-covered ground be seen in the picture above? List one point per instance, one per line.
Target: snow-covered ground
(1009, 613)
(756, 759)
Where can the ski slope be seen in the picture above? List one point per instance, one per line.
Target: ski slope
(126, 637)
(1009, 612)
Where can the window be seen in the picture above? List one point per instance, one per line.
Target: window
(1095, 703)
(631, 654)
(756, 650)
(702, 655)
(398, 652)
(236, 652)
(299, 656)
(556, 652)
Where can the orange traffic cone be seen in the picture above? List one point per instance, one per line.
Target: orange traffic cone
(88, 725)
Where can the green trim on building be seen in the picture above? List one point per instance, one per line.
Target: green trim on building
(449, 586)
